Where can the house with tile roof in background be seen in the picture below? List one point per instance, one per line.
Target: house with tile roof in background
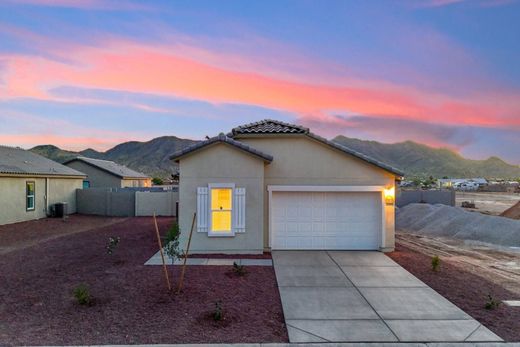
(108, 174)
(30, 185)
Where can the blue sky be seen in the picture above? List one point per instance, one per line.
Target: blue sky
(92, 73)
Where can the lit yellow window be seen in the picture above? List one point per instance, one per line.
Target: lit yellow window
(221, 205)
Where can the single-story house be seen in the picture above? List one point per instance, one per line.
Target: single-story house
(108, 174)
(271, 185)
(30, 184)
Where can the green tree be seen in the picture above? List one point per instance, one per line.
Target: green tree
(157, 181)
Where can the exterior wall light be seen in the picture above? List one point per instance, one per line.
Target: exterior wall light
(389, 194)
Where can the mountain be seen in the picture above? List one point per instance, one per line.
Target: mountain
(151, 158)
(420, 160)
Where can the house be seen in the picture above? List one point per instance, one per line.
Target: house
(271, 185)
(470, 183)
(108, 174)
(30, 184)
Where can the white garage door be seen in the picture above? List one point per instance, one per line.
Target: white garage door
(326, 220)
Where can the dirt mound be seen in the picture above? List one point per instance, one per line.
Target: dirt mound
(513, 212)
(442, 220)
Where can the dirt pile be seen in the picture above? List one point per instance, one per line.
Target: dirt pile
(442, 220)
(513, 212)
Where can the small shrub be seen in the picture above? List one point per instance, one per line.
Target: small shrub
(112, 244)
(171, 243)
(436, 263)
(157, 181)
(217, 314)
(491, 303)
(240, 270)
(82, 295)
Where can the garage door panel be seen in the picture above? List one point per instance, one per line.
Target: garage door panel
(326, 220)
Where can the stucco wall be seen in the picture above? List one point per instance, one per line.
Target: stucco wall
(299, 160)
(160, 203)
(221, 163)
(97, 178)
(13, 203)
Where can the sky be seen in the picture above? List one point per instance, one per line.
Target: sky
(94, 73)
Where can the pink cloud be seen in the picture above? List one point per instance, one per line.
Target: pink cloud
(483, 3)
(134, 67)
(106, 5)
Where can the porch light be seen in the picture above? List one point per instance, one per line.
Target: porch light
(389, 194)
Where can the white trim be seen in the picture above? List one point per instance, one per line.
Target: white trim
(280, 188)
(231, 233)
(276, 188)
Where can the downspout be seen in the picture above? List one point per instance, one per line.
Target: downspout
(47, 196)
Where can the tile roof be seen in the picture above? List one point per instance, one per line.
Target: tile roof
(110, 167)
(17, 161)
(221, 138)
(269, 126)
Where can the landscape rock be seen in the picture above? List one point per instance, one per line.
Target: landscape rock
(443, 220)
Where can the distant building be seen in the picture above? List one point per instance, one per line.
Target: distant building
(462, 183)
(108, 174)
(30, 184)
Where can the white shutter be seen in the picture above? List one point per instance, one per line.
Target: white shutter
(239, 210)
(202, 209)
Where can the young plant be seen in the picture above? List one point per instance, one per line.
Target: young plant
(436, 263)
(240, 270)
(217, 314)
(82, 295)
(171, 244)
(112, 244)
(491, 303)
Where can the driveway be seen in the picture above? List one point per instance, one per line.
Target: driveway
(339, 296)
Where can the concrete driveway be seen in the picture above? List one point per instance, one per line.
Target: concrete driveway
(338, 296)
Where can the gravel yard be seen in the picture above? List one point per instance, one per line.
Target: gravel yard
(464, 288)
(131, 304)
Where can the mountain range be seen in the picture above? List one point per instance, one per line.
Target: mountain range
(152, 157)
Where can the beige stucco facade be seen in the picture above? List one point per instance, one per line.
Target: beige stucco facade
(298, 161)
(101, 179)
(222, 163)
(13, 197)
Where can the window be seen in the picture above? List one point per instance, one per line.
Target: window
(221, 209)
(221, 206)
(29, 196)
(86, 184)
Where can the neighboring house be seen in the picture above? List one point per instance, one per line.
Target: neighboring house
(108, 174)
(273, 185)
(30, 184)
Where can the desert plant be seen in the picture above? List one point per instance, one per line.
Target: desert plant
(217, 314)
(157, 181)
(491, 303)
(82, 295)
(240, 270)
(436, 263)
(172, 244)
(112, 244)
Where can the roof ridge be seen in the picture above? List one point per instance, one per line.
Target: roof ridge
(224, 139)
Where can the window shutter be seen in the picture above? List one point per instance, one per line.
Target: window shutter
(239, 210)
(202, 209)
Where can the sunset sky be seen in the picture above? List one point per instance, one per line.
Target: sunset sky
(93, 73)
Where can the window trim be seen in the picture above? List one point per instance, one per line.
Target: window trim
(212, 186)
(27, 196)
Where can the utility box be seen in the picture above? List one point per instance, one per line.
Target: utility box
(60, 209)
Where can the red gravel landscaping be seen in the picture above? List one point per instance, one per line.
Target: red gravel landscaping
(130, 301)
(464, 289)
